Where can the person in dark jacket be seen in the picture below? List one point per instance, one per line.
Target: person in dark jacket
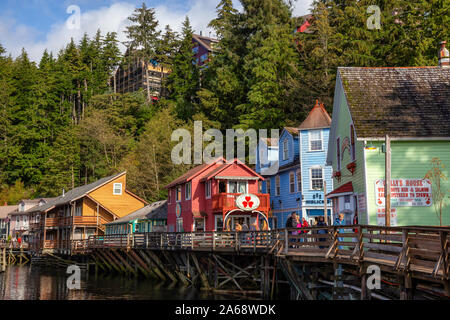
(291, 222)
(321, 223)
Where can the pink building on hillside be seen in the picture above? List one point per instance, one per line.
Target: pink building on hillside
(213, 197)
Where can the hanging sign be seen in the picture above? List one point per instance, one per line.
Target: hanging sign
(405, 193)
(247, 202)
(361, 202)
(178, 209)
(381, 217)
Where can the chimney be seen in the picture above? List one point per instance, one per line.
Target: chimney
(444, 57)
(200, 32)
(64, 192)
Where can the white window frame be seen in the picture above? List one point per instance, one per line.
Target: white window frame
(114, 189)
(285, 149)
(228, 185)
(187, 195)
(310, 140)
(291, 183)
(277, 185)
(208, 189)
(311, 178)
(176, 194)
(268, 182)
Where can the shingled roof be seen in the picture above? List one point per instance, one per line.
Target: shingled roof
(317, 118)
(154, 211)
(73, 194)
(402, 102)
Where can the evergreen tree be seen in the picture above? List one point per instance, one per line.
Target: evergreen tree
(183, 82)
(143, 38)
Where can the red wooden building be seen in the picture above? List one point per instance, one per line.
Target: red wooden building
(213, 197)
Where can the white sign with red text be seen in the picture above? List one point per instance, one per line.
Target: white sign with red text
(405, 193)
(381, 217)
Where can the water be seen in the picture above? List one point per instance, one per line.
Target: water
(36, 283)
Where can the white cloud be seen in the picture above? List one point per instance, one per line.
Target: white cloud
(15, 36)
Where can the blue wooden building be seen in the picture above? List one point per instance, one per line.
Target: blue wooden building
(297, 185)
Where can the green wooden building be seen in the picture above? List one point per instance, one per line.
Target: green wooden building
(412, 106)
(151, 218)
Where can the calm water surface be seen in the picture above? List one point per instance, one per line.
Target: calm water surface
(35, 283)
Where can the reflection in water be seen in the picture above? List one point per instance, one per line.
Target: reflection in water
(34, 283)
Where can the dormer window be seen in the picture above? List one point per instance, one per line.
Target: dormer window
(22, 207)
(285, 149)
(117, 189)
(315, 140)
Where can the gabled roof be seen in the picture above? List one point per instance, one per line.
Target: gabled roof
(292, 130)
(205, 41)
(74, 194)
(5, 210)
(154, 211)
(346, 188)
(317, 118)
(193, 173)
(31, 201)
(411, 102)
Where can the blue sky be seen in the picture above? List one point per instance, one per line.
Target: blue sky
(39, 24)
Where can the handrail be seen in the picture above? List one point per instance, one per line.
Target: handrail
(403, 248)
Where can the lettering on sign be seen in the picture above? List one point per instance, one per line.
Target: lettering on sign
(405, 193)
(381, 217)
(247, 202)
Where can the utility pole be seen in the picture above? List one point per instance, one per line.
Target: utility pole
(325, 211)
(387, 184)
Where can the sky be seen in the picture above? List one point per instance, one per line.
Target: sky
(37, 25)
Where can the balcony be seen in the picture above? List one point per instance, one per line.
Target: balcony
(224, 202)
(77, 220)
(51, 222)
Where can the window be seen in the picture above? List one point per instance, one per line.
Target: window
(260, 186)
(315, 140)
(291, 182)
(352, 142)
(208, 189)
(237, 186)
(285, 149)
(222, 186)
(180, 225)
(178, 194)
(268, 185)
(338, 153)
(17, 219)
(277, 185)
(316, 179)
(187, 191)
(78, 211)
(299, 180)
(347, 202)
(117, 188)
(219, 223)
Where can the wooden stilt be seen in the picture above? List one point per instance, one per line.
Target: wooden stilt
(112, 261)
(172, 261)
(124, 261)
(153, 266)
(200, 271)
(161, 266)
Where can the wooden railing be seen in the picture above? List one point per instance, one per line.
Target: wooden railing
(227, 201)
(51, 222)
(417, 249)
(77, 220)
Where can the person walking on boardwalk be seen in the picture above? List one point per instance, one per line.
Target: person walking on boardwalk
(321, 223)
(340, 222)
(304, 225)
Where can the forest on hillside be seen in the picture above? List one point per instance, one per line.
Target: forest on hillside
(62, 125)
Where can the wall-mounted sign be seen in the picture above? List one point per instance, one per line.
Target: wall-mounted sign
(405, 193)
(381, 217)
(317, 198)
(247, 202)
(361, 203)
(178, 209)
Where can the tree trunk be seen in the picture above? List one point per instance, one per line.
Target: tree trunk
(148, 84)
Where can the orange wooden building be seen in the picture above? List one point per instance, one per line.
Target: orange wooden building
(81, 212)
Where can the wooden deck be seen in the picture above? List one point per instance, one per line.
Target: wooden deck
(421, 251)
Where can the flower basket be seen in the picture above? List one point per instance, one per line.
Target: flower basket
(351, 167)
